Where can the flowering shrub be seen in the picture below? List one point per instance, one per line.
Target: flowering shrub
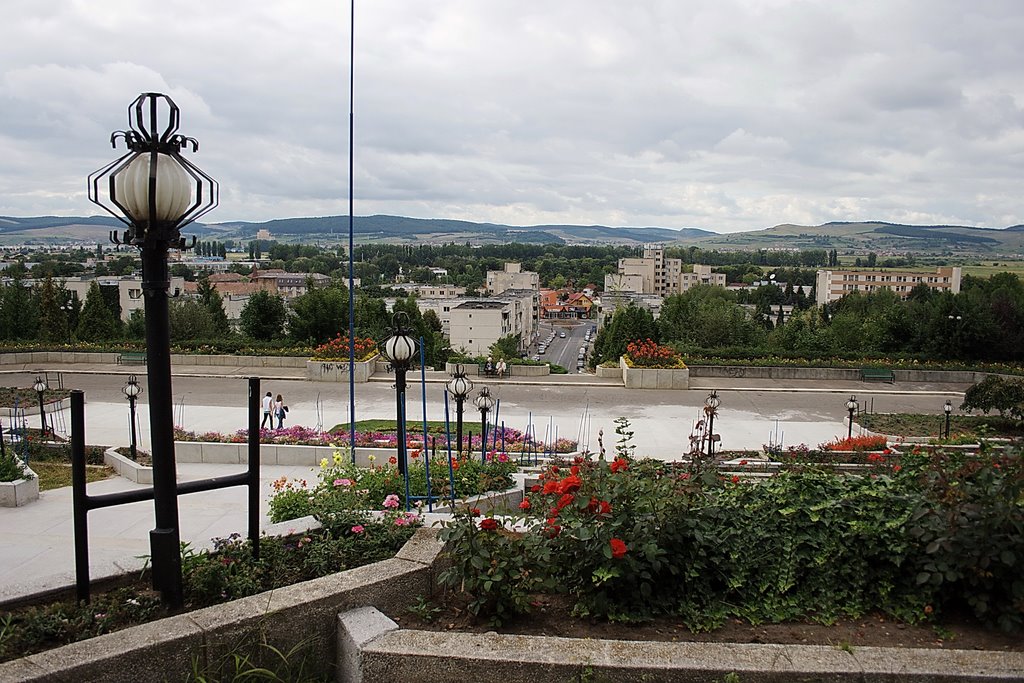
(343, 488)
(654, 538)
(337, 349)
(856, 443)
(650, 354)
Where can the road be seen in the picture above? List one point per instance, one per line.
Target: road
(563, 351)
(800, 412)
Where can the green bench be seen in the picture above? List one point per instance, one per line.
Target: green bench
(484, 372)
(877, 375)
(132, 358)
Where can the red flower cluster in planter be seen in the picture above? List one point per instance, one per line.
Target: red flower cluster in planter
(650, 354)
(337, 349)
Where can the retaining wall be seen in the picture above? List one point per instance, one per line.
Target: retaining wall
(337, 371)
(833, 374)
(473, 369)
(654, 378)
(14, 494)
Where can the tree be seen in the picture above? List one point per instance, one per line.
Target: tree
(214, 304)
(190, 319)
(263, 317)
(53, 319)
(96, 321)
(627, 324)
(135, 328)
(318, 315)
(996, 393)
(19, 311)
(506, 347)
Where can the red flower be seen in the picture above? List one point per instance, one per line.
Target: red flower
(489, 524)
(618, 548)
(570, 484)
(393, 460)
(414, 454)
(566, 499)
(551, 487)
(735, 479)
(474, 512)
(552, 528)
(600, 507)
(535, 488)
(575, 470)
(619, 465)
(896, 468)
(743, 463)
(554, 468)
(525, 505)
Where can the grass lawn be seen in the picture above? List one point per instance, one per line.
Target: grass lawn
(55, 475)
(990, 268)
(389, 426)
(905, 424)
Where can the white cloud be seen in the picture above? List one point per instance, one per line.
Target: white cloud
(722, 114)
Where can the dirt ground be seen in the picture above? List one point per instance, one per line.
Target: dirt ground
(551, 617)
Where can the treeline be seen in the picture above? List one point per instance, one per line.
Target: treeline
(984, 322)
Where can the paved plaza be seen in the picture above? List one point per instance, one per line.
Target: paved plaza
(38, 539)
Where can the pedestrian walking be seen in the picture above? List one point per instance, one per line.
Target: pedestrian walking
(280, 410)
(268, 416)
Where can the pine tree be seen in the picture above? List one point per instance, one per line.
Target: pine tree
(96, 321)
(53, 320)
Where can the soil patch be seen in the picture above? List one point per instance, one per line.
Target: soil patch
(552, 616)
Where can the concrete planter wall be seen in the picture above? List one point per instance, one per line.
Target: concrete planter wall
(14, 494)
(337, 371)
(85, 357)
(128, 468)
(271, 454)
(303, 614)
(832, 374)
(654, 378)
(601, 371)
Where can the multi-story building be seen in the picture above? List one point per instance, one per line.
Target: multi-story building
(475, 324)
(512, 277)
(835, 284)
(653, 273)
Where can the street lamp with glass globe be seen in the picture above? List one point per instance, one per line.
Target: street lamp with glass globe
(399, 350)
(484, 402)
(131, 391)
(948, 409)
(711, 404)
(40, 388)
(851, 406)
(459, 387)
(155, 191)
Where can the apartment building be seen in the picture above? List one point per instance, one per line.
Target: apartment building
(512, 277)
(475, 324)
(653, 273)
(835, 284)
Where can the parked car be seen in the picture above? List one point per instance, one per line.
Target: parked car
(561, 335)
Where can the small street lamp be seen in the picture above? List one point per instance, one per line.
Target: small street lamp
(131, 391)
(711, 404)
(484, 401)
(399, 350)
(459, 387)
(40, 387)
(851, 406)
(948, 409)
(156, 191)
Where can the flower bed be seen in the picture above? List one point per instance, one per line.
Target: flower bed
(628, 540)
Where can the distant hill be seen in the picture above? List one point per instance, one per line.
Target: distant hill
(878, 236)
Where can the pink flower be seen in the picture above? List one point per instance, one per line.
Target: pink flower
(391, 501)
(502, 457)
(358, 529)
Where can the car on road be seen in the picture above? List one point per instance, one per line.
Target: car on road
(561, 335)
(537, 357)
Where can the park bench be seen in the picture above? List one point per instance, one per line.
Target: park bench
(482, 370)
(132, 358)
(877, 375)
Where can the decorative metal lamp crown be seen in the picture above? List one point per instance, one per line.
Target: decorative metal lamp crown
(712, 401)
(153, 189)
(484, 401)
(459, 385)
(948, 407)
(40, 384)
(851, 405)
(401, 346)
(131, 388)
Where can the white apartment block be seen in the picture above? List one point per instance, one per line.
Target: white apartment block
(655, 274)
(475, 324)
(512, 277)
(129, 289)
(832, 285)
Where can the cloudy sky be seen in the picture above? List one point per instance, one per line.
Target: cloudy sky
(720, 114)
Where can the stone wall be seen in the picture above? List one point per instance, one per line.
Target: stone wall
(654, 378)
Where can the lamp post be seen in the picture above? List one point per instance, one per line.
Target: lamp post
(484, 401)
(155, 191)
(131, 391)
(399, 350)
(40, 387)
(459, 387)
(851, 406)
(711, 404)
(948, 409)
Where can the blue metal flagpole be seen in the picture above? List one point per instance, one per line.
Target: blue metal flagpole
(426, 452)
(351, 234)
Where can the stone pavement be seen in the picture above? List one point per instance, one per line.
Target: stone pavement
(38, 539)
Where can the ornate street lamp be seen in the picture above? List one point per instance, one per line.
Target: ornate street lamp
(851, 406)
(399, 350)
(948, 409)
(711, 404)
(40, 387)
(459, 387)
(155, 191)
(131, 391)
(484, 401)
